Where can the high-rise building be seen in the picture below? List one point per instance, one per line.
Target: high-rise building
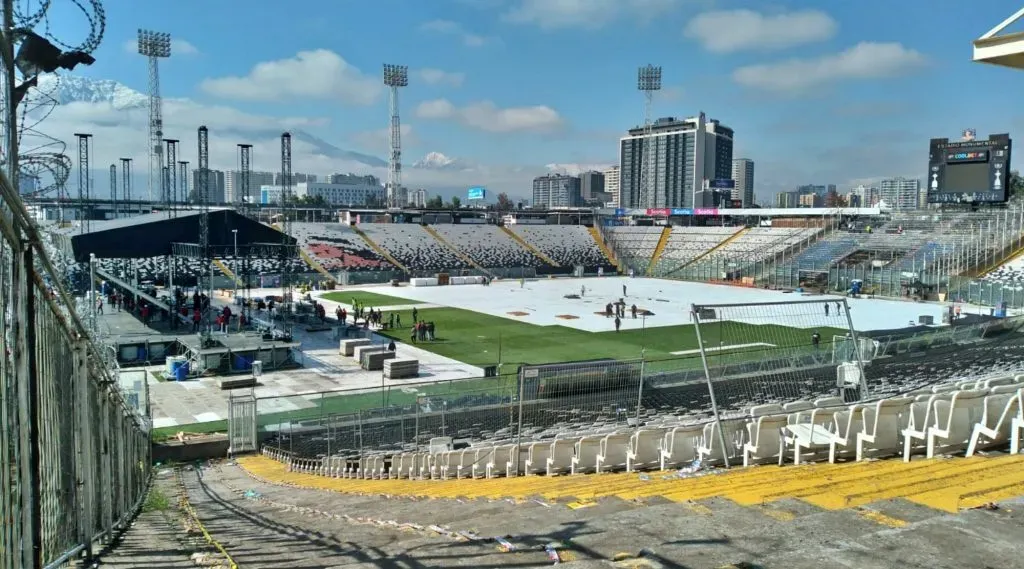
(418, 198)
(787, 199)
(341, 194)
(215, 186)
(592, 187)
(556, 190)
(233, 185)
(743, 175)
(686, 153)
(866, 196)
(297, 178)
(368, 180)
(611, 184)
(900, 193)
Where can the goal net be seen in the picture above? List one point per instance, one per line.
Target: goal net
(779, 352)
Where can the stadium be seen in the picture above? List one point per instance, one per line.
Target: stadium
(237, 385)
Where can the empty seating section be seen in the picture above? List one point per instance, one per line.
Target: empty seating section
(567, 245)
(827, 251)
(488, 245)
(336, 246)
(1011, 273)
(762, 243)
(951, 418)
(687, 243)
(635, 245)
(410, 245)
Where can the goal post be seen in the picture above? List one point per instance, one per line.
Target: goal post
(777, 353)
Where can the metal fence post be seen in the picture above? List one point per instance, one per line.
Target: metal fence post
(640, 388)
(711, 388)
(519, 429)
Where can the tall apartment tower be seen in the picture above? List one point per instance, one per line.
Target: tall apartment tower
(743, 175)
(900, 193)
(611, 184)
(687, 152)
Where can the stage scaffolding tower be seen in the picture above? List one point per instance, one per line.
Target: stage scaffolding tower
(126, 184)
(83, 181)
(286, 230)
(183, 177)
(244, 183)
(203, 195)
(113, 190)
(172, 176)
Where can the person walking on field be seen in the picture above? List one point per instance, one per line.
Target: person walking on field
(618, 323)
(826, 310)
(624, 290)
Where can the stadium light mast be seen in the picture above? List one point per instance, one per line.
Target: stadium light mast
(154, 46)
(395, 76)
(648, 80)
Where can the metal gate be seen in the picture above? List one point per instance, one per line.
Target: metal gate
(242, 422)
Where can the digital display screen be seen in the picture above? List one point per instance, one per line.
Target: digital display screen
(967, 178)
(974, 156)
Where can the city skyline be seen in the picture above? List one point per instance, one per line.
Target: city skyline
(813, 95)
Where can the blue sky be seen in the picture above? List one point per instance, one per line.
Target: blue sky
(836, 92)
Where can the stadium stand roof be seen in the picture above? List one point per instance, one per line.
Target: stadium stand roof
(151, 234)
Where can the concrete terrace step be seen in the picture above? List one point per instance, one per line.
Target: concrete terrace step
(270, 525)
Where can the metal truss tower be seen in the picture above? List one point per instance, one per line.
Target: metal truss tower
(648, 80)
(83, 180)
(395, 76)
(113, 190)
(154, 46)
(172, 176)
(286, 230)
(126, 184)
(243, 185)
(203, 195)
(183, 179)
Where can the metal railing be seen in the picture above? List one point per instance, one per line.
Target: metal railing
(74, 450)
(589, 397)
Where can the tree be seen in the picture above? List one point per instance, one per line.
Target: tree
(504, 204)
(833, 199)
(456, 202)
(1016, 185)
(435, 203)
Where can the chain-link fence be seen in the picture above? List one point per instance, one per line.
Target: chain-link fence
(74, 446)
(750, 361)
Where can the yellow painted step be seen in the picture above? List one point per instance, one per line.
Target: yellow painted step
(458, 253)
(662, 243)
(227, 271)
(730, 239)
(529, 246)
(596, 235)
(315, 265)
(380, 250)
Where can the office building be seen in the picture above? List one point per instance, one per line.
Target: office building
(355, 179)
(215, 186)
(743, 175)
(900, 193)
(341, 194)
(611, 184)
(810, 200)
(592, 187)
(417, 198)
(556, 190)
(297, 178)
(686, 152)
(233, 185)
(787, 199)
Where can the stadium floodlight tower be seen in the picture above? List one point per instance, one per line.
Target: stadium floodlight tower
(155, 45)
(997, 48)
(648, 80)
(395, 76)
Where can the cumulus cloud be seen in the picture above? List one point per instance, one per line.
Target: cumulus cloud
(179, 47)
(588, 14)
(865, 60)
(455, 29)
(319, 74)
(488, 117)
(440, 77)
(729, 31)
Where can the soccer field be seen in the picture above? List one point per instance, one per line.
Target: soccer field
(534, 322)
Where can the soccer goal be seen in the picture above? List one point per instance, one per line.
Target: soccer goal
(778, 352)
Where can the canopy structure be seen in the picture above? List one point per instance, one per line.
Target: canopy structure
(153, 235)
(1003, 49)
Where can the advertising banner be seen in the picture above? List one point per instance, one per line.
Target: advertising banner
(705, 211)
(658, 212)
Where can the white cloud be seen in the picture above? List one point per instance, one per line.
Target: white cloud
(486, 116)
(318, 74)
(440, 77)
(729, 31)
(377, 140)
(179, 47)
(448, 27)
(863, 61)
(588, 14)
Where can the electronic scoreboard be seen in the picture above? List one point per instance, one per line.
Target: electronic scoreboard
(969, 171)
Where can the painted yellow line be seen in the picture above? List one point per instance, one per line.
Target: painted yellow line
(777, 514)
(943, 474)
(187, 508)
(944, 484)
(880, 518)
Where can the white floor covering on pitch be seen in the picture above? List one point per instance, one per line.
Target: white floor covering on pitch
(543, 301)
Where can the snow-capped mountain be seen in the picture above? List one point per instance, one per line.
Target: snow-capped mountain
(575, 169)
(438, 161)
(67, 89)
